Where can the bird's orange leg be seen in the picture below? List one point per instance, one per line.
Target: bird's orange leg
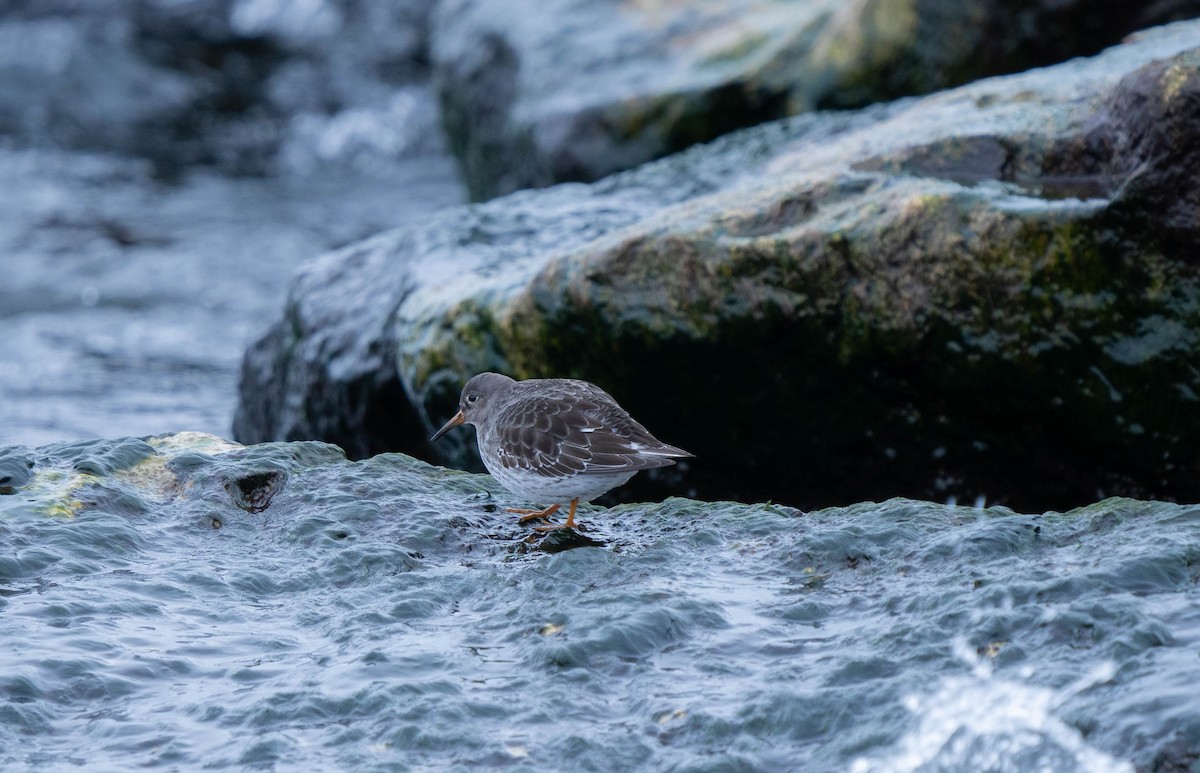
(533, 515)
(570, 522)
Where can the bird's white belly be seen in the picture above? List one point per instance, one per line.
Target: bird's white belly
(539, 489)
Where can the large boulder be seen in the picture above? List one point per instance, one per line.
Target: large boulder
(567, 90)
(987, 293)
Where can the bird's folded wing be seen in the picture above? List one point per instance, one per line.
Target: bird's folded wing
(556, 437)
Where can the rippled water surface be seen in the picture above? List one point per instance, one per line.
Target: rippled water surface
(182, 604)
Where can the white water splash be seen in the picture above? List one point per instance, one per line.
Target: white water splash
(978, 722)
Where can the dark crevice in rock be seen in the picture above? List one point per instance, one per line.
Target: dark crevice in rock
(253, 493)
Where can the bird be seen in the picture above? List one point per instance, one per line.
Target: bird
(555, 440)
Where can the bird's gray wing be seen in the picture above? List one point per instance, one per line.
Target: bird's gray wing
(577, 428)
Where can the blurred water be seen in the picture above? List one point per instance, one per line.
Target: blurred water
(386, 615)
(982, 722)
(126, 302)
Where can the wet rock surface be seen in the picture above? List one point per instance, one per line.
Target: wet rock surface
(968, 296)
(385, 612)
(573, 91)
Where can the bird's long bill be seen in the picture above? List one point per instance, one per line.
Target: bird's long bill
(455, 420)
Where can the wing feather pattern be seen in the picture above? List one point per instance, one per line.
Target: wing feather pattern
(574, 428)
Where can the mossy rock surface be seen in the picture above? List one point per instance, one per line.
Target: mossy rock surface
(986, 293)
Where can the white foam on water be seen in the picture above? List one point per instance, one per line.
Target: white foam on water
(980, 722)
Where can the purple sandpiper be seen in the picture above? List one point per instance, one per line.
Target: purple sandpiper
(555, 440)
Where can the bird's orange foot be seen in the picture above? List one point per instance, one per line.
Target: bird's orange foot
(568, 524)
(533, 515)
(557, 526)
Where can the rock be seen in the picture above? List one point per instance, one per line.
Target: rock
(16, 469)
(330, 368)
(572, 91)
(1145, 136)
(146, 582)
(366, 391)
(960, 297)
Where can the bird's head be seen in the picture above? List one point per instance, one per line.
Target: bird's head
(478, 398)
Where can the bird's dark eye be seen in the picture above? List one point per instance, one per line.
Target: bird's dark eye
(472, 398)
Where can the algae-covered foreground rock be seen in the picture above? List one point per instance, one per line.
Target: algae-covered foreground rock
(990, 292)
(555, 90)
(184, 602)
